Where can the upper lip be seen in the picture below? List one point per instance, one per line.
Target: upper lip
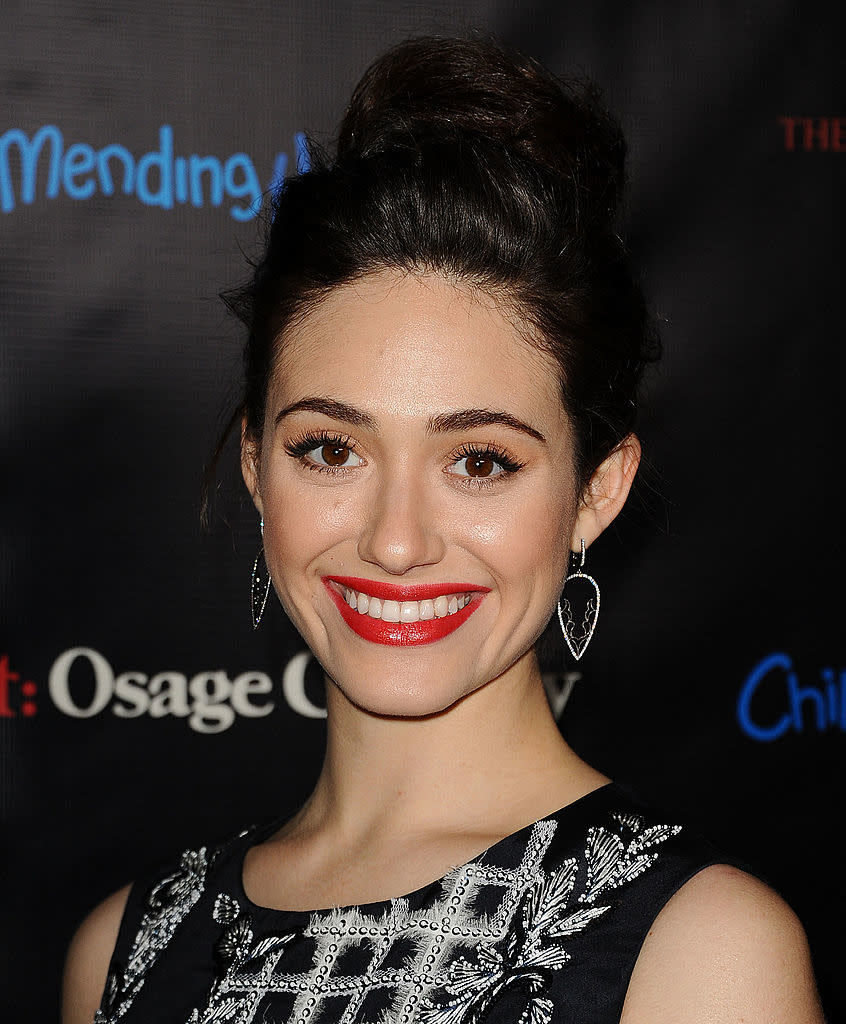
(405, 592)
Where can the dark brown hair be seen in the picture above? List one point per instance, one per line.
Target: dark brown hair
(458, 157)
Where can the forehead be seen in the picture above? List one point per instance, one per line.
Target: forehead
(410, 345)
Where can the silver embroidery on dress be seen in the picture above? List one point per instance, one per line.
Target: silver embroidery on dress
(548, 914)
(168, 904)
(458, 960)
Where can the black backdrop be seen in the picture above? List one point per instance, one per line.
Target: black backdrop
(133, 140)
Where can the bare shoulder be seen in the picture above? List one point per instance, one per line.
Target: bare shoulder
(87, 962)
(725, 948)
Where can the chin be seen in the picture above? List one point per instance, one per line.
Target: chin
(422, 698)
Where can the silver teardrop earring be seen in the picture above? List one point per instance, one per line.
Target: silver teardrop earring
(578, 637)
(259, 583)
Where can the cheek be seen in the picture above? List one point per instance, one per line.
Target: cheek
(301, 519)
(527, 537)
(306, 524)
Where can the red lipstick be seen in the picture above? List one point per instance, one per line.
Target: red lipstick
(402, 634)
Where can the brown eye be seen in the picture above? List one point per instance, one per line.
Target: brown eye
(334, 454)
(480, 466)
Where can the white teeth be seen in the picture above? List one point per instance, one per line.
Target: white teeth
(390, 611)
(406, 611)
(409, 611)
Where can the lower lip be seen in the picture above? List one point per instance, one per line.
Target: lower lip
(402, 634)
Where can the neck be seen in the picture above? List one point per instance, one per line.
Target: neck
(492, 762)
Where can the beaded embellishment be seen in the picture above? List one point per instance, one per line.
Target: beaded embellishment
(168, 904)
(447, 963)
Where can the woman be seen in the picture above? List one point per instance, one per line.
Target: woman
(445, 344)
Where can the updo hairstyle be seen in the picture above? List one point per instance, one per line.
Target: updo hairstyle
(458, 158)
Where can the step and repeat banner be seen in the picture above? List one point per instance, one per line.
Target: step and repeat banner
(139, 711)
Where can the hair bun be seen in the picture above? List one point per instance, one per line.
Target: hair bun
(437, 90)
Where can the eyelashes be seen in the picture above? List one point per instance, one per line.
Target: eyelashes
(478, 456)
(333, 451)
(475, 465)
(305, 443)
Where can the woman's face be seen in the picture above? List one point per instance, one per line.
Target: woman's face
(417, 464)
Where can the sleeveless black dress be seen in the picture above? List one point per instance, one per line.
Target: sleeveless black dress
(544, 927)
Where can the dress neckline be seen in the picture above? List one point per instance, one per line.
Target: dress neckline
(378, 908)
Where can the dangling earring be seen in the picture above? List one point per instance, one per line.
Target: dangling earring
(259, 584)
(578, 637)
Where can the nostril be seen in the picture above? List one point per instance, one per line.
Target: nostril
(400, 537)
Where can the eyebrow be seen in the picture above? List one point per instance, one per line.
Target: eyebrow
(443, 423)
(330, 407)
(466, 419)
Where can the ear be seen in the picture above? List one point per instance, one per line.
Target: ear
(606, 492)
(250, 464)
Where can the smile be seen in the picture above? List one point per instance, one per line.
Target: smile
(385, 613)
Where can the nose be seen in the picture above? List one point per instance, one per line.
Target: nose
(401, 529)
